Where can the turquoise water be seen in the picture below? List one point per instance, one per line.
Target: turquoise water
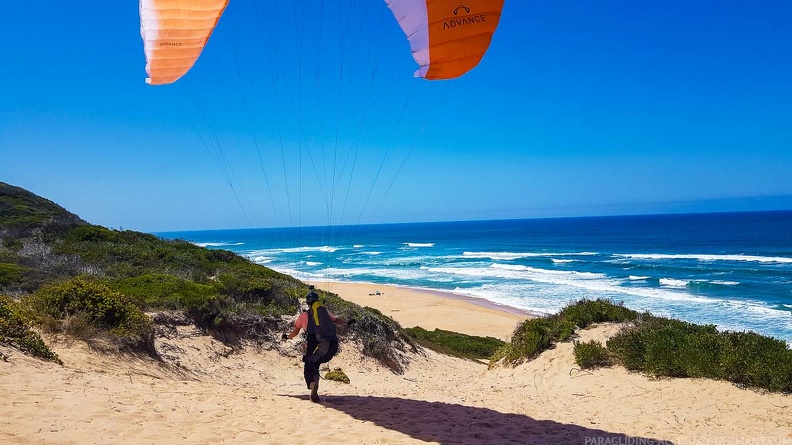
(733, 270)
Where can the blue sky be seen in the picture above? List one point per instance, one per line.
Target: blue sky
(579, 108)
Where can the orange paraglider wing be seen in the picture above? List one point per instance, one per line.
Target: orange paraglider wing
(174, 34)
(448, 37)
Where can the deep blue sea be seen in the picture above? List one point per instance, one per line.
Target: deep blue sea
(733, 270)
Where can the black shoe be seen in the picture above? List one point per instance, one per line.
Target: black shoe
(315, 391)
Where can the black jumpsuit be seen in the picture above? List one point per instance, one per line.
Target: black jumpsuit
(322, 341)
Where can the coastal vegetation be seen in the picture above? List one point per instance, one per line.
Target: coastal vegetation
(457, 344)
(657, 346)
(665, 347)
(539, 334)
(591, 354)
(64, 275)
(16, 332)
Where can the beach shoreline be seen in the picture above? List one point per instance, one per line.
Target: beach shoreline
(431, 309)
(479, 301)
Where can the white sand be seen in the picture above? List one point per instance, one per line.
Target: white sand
(257, 396)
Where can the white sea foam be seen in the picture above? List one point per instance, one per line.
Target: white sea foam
(259, 259)
(506, 256)
(673, 283)
(373, 253)
(312, 263)
(726, 283)
(358, 246)
(219, 244)
(511, 295)
(557, 261)
(394, 273)
(598, 283)
(518, 267)
(637, 278)
(419, 244)
(706, 257)
(304, 249)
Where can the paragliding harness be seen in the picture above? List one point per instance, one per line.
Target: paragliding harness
(320, 325)
(322, 339)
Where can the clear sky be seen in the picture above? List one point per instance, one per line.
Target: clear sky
(305, 112)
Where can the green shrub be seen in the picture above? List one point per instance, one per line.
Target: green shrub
(591, 354)
(586, 312)
(161, 291)
(242, 288)
(10, 274)
(106, 309)
(454, 343)
(337, 375)
(264, 310)
(16, 332)
(667, 347)
(534, 336)
(754, 360)
(673, 348)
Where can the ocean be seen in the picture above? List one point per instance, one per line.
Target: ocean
(733, 270)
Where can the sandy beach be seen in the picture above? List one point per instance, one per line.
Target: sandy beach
(207, 393)
(412, 307)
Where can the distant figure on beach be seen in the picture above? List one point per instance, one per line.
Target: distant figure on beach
(322, 345)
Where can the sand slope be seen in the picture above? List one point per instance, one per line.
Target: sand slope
(205, 392)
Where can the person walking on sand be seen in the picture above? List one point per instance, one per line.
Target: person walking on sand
(319, 325)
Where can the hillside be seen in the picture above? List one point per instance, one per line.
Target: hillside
(64, 271)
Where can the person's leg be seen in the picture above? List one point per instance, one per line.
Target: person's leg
(310, 370)
(313, 361)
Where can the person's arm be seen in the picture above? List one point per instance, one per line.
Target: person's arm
(300, 323)
(294, 332)
(339, 321)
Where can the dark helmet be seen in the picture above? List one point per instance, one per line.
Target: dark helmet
(312, 296)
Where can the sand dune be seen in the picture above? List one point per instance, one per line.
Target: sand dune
(208, 393)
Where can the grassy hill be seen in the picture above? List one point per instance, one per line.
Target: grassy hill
(66, 275)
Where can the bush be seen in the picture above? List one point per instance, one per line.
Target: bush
(16, 332)
(454, 343)
(673, 348)
(667, 347)
(591, 355)
(337, 375)
(161, 291)
(534, 336)
(105, 308)
(586, 312)
(538, 334)
(754, 360)
(10, 274)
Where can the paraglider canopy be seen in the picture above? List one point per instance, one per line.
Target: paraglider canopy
(447, 38)
(175, 33)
